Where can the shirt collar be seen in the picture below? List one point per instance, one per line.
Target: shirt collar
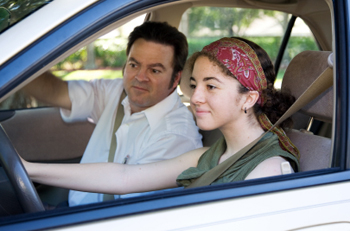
(155, 113)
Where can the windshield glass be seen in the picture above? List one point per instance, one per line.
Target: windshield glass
(12, 12)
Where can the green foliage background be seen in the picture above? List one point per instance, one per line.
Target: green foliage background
(115, 57)
(270, 44)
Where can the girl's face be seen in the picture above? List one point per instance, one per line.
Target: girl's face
(215, 99)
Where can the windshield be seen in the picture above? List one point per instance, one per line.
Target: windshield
(12, 12)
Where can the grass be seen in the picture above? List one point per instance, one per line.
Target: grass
(88, 74)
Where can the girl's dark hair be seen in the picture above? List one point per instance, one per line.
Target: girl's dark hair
(276, 102)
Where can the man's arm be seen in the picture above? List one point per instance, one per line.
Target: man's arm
(49, 89)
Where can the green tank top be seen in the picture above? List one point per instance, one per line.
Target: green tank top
(266, 148)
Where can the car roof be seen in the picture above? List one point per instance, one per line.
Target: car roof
(38, 24)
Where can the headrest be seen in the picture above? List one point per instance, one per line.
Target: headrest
(301, 72)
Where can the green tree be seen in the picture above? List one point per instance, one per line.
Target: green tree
(230, 21)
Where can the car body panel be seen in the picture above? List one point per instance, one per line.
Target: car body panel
(183, 199)
(286, 210)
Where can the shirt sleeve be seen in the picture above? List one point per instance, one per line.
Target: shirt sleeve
(167, 147)
(89, 99)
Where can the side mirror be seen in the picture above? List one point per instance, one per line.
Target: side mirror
(5, 17)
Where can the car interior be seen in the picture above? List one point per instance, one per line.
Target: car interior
(314, 149)
(40, 135)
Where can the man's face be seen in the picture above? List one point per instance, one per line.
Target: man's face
(147, 74)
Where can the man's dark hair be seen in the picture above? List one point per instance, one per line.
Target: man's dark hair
(163, 33)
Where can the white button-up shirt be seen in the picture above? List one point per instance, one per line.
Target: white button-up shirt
(160, 132)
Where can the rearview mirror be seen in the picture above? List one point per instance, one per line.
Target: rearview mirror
(5, 17)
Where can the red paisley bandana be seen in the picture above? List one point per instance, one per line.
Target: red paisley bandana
(242, 62)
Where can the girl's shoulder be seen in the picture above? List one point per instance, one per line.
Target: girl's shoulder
(269, 167)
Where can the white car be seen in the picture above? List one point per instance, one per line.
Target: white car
(36, 35)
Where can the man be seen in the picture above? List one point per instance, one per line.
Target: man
(156, 125)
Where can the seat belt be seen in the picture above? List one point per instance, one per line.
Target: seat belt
(322, 83)
(117, 122)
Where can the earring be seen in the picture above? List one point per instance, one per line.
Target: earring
(245, 110)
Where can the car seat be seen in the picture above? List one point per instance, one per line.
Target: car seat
(315, 150)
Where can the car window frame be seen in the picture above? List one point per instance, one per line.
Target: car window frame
(341, 154)
(167, 200)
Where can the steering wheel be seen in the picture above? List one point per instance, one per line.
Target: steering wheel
(23, 186)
